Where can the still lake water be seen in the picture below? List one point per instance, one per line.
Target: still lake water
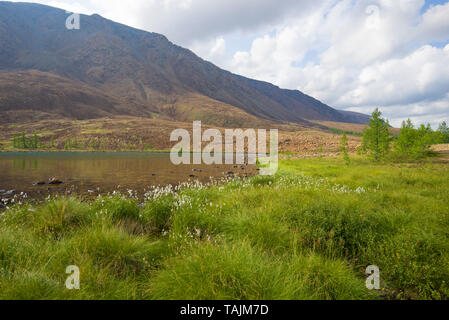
(100, 172)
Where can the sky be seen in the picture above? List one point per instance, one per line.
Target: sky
(354, 55)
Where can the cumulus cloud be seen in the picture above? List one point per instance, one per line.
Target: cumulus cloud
(420, 76)
(358, 55)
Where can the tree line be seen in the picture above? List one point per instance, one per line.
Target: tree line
(24, 142)
(412, 142)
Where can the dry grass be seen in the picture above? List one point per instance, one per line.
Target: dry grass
(350, 127)
(123, 133)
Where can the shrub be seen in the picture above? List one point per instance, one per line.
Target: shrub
(415, 143)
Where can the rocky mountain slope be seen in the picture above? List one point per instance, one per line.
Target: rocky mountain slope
(108, 68)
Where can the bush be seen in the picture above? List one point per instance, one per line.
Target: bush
(415, 143)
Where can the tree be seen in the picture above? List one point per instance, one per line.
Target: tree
(443, 132)
(24, 143)
(407, 138)
(68, 145)
(344, 148)
(415, 143)
(377, 137)
(35, 141)
(424, 140)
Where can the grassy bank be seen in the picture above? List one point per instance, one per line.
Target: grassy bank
(307, 233)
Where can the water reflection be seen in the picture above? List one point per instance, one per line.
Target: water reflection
(104, 171)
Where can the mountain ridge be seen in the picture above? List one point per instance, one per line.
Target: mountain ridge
(140, 69)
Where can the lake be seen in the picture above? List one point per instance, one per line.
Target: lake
(90, 174)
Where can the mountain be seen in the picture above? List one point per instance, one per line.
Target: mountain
(107, 68)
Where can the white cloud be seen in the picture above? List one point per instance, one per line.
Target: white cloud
(359, 55)
(422, 75)
(435, 23)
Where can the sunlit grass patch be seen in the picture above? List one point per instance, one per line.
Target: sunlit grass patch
(241, 272)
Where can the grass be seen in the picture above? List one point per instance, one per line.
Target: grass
(349, 133)
(307, 233)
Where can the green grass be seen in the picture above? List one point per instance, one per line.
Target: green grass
(307, 233)
(349, 133)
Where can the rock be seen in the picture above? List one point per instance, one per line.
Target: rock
(55, 181)
(193, 176)
(230, 173)
(2, 191)
(2, 206)
(90, 191)
(153, 175)
(9, 193)
(40, 183)
(197, 170)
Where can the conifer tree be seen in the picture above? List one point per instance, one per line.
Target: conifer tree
(24, 144)
(407, 138)
(443, 132)
(377, 137)
(415, 143)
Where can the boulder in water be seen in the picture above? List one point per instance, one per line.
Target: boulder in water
(54, 181)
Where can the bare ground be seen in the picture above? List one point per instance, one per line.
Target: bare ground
(124, 133)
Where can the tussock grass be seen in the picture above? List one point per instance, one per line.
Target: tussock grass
(307, 233)
(223, 272)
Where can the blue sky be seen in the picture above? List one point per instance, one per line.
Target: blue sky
(430, 3)
(351, 54)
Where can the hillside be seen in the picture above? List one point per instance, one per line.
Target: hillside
(118, 70)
